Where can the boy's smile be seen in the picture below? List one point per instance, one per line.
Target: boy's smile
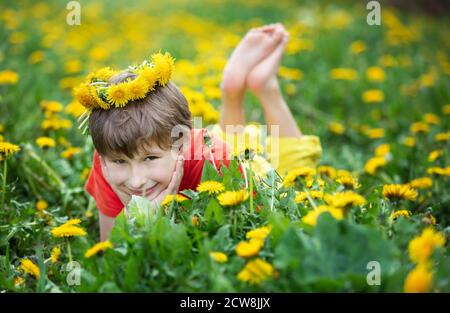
(146, 191)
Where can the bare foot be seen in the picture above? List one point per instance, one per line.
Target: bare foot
(254, 47)
(263, 77)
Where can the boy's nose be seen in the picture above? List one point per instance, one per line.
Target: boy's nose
(137, 180)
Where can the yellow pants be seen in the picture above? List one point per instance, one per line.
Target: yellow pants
(281, 153)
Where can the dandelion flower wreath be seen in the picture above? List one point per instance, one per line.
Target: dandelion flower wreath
(97, 92)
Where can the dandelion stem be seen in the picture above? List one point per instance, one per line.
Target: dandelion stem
(5, 171)
(69, 251)
(234, 223)
(50, 172)
(251, 184)
(245, 174)
(272, 197)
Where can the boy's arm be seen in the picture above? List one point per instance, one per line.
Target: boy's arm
(106, 224)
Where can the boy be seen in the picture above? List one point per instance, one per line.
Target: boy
(137, 150)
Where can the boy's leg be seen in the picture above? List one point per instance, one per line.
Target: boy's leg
(254, 47)
(263, 82)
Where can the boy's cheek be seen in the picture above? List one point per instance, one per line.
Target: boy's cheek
(116, 178)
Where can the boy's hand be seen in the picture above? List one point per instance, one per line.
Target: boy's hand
(174, 184)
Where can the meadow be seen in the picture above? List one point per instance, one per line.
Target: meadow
(372, 217)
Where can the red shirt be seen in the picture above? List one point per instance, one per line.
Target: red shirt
(194, 157)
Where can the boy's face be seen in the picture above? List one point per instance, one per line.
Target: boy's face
(147, 174)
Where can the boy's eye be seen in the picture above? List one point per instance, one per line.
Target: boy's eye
(151, 158)
(120, 161)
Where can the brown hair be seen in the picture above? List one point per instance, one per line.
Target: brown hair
(142, 122)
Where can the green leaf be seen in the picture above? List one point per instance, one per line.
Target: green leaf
(209, 172)
(214, 212)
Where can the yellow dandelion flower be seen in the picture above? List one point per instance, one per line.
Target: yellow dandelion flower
(18, 281)
(211, 187)
(397, 214)
(410, 142)
(69, 153)
(83, 95)
(420, 248)
(446, 109)
(8, 77)
(41, 205)
(357, 47)
(51, 106)
(45, 142)
(72, 66)
(343, 74)
(382, 150)
(312, 216)
(98, 247)
(419, 127)
(138, 88)
(36, 57)
(302, 197)
(291, 177)
(195, 220)
(310, 181)
(230, 198)
(387, 60)
(169, 198)
(28, 266)
(327, 171)
(373, 164)
(439, 171)
(75, 108)
(219, 257)
(56, 123)
(375, 133)
(290, 89)
(85, 173)
(348, 181)
(421, 183)
(442, 136)
(375, 73)
(256, 271)
(103, 74)
(431, 118)
(434, 155)
(259, 233)
(73, 221)
(372, 96)
(336, 128)
(89, 214)
(7, 148)
(248, 249)
(344, 199)
(418, 280)
(164, 64)
(118, 95)
(56, 252)
(150, 75)
(69, 229)
(99, 53)
(399, 192)
(290, 73)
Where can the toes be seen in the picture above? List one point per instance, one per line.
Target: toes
(268, 29)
